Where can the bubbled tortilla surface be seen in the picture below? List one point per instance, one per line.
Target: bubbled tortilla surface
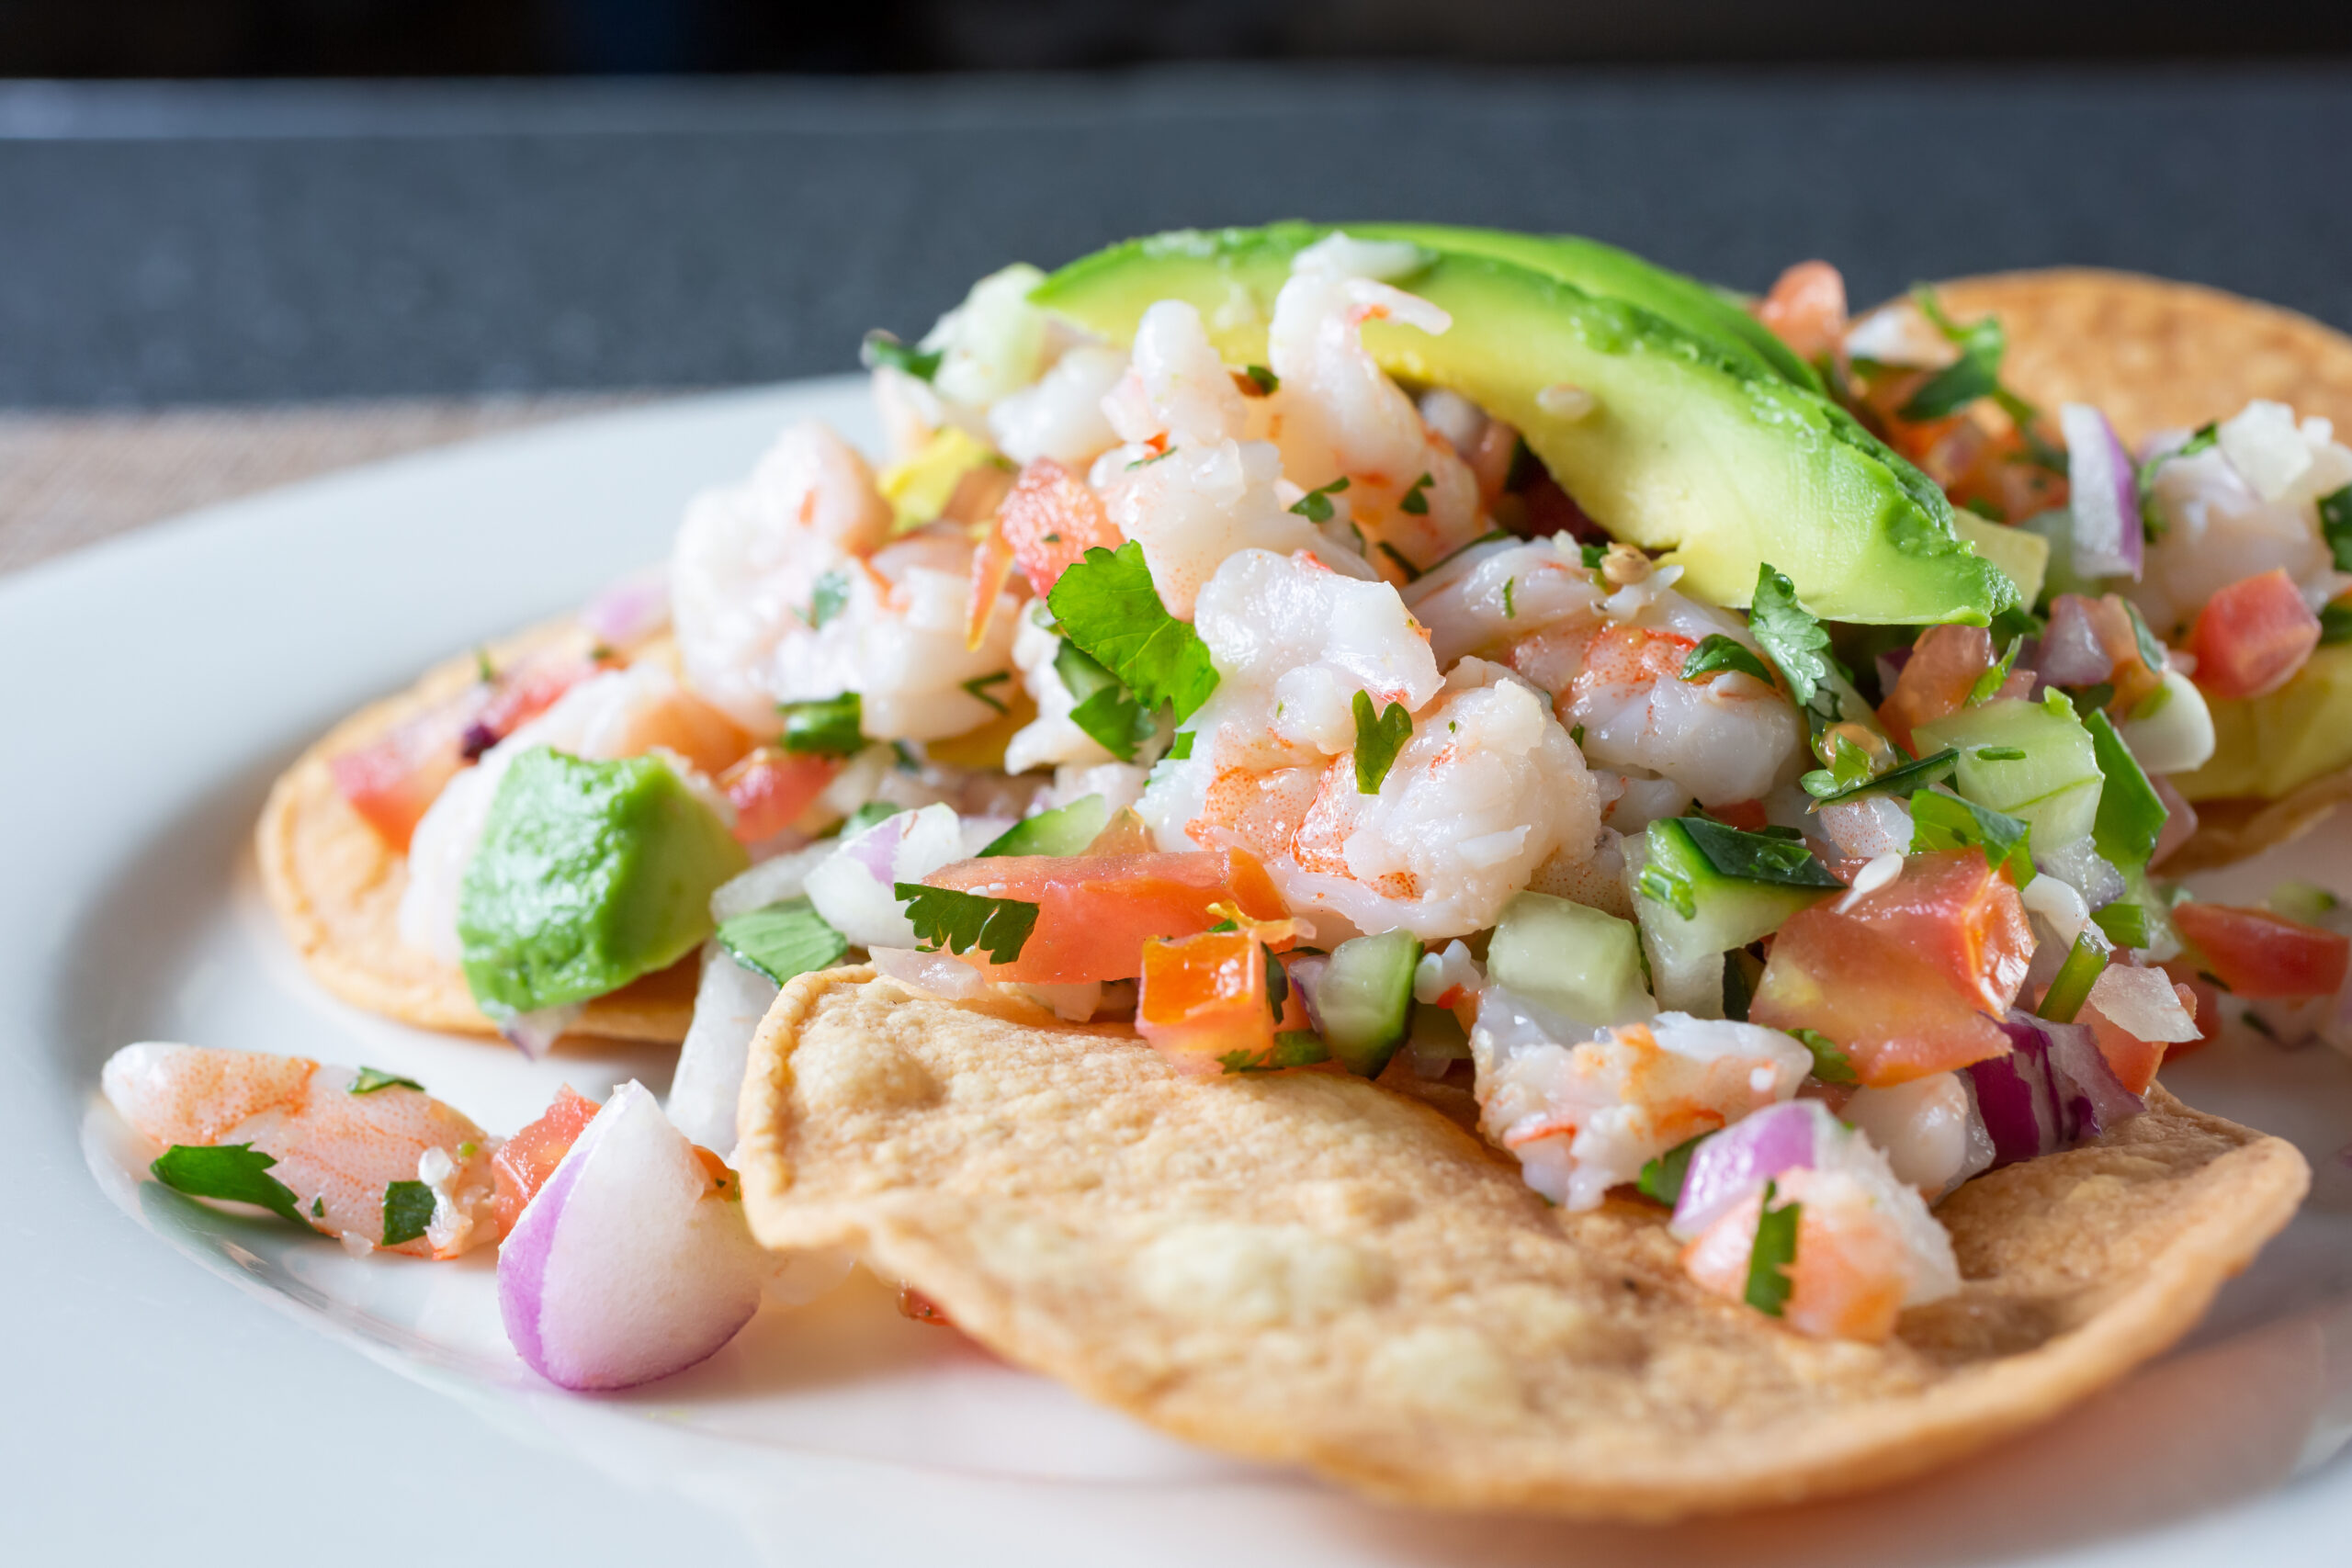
(336, 887)
(1308, 1269)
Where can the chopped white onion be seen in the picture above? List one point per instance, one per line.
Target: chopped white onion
(934, 973)
(2143, 1004)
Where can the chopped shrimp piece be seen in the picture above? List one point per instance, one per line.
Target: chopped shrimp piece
(1807, 309)
(1943, 669)
(338, 1151)
(1848, 1276)
(1051, 520)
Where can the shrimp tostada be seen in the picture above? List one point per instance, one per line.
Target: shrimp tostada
(1476, 863)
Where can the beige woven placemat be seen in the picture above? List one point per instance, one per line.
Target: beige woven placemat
(70, 479)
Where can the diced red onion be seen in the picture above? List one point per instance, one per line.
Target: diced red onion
(2052, 1091)
(1890, 668)
(877, 848)
(1730, 1165)
(2071, 653)
(2103, 487)
(631, 611)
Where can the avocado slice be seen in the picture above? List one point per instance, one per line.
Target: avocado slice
(588, 876)
(1697, 445)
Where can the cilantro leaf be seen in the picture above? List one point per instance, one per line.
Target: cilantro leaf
(977, 687)
(1849, 766)
(1790, 638)
(1592, 555)
(946, 917)
(1975, 374)
(238, 1173)
(2132, 815)
(407, 1210)
(1292, 1048)
(1717, 653)
(1378, 740)
(1662, 1177)
(1511, 612)
(1991, 681)
(1775, 1250)
(1416, 501)
(883, 348)
(1913, 776)
(1277, 982)
(1830, 1065)
(1316, 504)
(1181, 750)
(783, 940)
(1404, 563)
(2335, 622)
(1108, 607)
(1948, 822)
(828, 726)
(1999, 753)
(830, 598)
(1265, 380)
(2336, 525)
(1103, 709)
(370, 1079)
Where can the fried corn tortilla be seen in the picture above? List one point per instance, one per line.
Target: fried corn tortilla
(336, 887)
(2154, 356)
(1308, 1269)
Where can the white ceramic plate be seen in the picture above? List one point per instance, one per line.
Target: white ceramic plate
(154, 687)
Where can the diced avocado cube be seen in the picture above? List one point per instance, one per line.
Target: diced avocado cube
(588, 876)
(1577, 960)
(2053, 787)
(1694, 439)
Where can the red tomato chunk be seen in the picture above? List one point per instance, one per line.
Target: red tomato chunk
(1095, 912)
(2256, 953)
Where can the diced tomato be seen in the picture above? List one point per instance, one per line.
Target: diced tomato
(523, 1166)
(771, 788)
(1903, 980)
(1746, 815)
(1807, 309)
(2134, 1061)
(2256, 953)
(2252, 635)
(391, 780)
(1095, 912)
(1203, 997)
(1944, 666)
(1051, 519)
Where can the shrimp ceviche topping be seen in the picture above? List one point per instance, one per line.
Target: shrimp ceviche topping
(1736, 750)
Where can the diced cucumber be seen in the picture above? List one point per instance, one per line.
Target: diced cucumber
(1065, 830)
(1363, 996)
(2053, 787)
(1573, 959)
(1709, 888)
(1437, 1040)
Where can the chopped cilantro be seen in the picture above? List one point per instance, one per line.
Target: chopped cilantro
(1316, 504)
(484, 671)
(1975, 374)
(1946, 822)
(1999, 753)
(1292, 1048)
(1662, 1177)
(1156, 457)
(2335, 525)
(977, 687)
(1849, 766)
(1775, 1250)
(1181, 751)
(236, 1172)
(783, 940)
(828, 726)
(1511, 612)
(906, 762)
(2335, 622)
(1592, 556)
(830, 598)
(1777, 857)
(1415, 500)
(2132, 815)
(1107, 605)
(1718, 653)
(319, 1207)
(2125, 925)
(1277, 982)
(1903, 780)
(1378, 740)
(370, 1079)
(958, 922)
(1103, 708)
(1577, 735)
(1830, 1065)
(407, 1210)
(1789, 635)
(1265, 380)
(1403, 564)
(1992, 680)
(883, 348)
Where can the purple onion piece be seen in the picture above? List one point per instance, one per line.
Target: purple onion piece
(535, 1033)
(2053, 1090)
(2077, 1063)
(2071, 653)
(628, 612)
(877, 848)
(2104, 486)
(1734, 1162)
(477, 737)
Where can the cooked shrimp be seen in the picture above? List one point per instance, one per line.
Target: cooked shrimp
(1337, 415)
(1847, 1278)
(2241, 507)
(1611, 655)
(623, 713)
(337, 1150)
(1587, 1116)
(1061, 417)
(1807, 309)
(744, 583)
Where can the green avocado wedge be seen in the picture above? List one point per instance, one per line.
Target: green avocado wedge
(1698, 442)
